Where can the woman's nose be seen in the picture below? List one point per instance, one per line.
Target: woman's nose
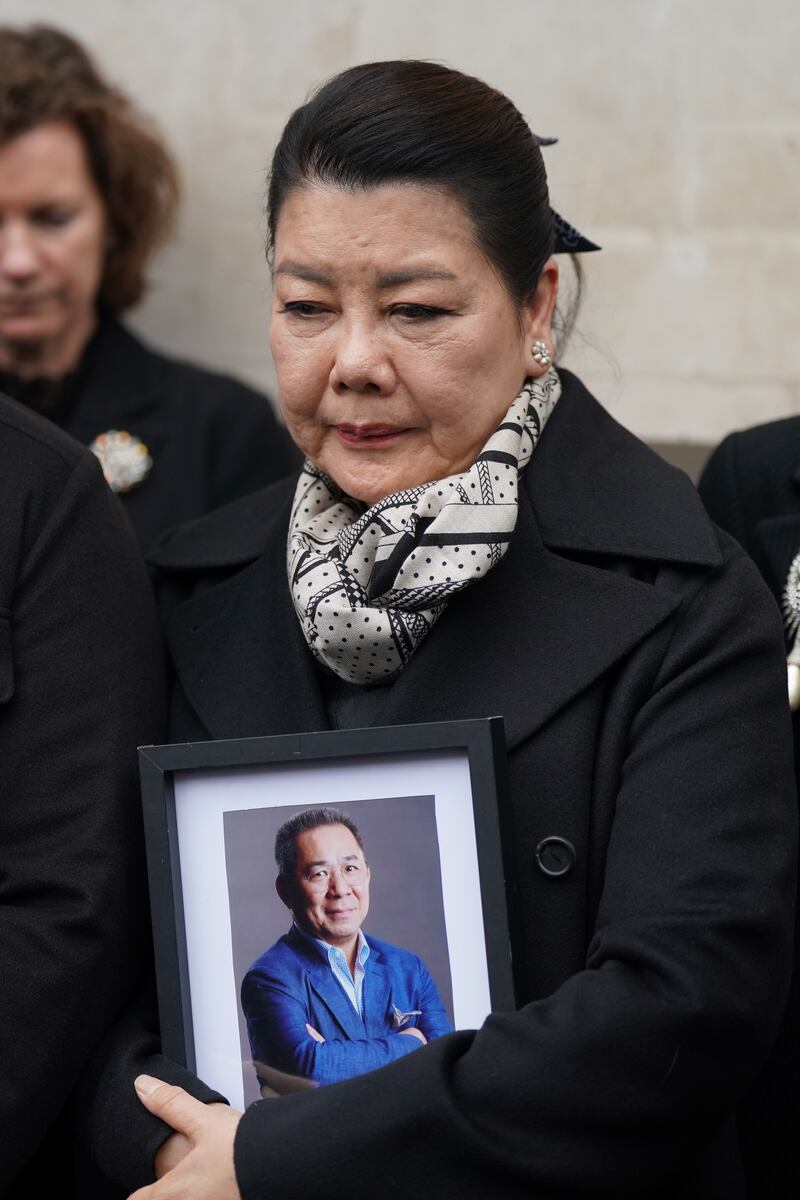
(362, 363)
(18, 256)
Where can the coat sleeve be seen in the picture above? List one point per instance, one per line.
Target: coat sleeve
(615, 1082)
(83, 688)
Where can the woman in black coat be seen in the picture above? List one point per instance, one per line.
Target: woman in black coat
(751, 488)
(556, 572)
(87, 192)
(81, 684)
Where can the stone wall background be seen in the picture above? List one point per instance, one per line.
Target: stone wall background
(679, 151)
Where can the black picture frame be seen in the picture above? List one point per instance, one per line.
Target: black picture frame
(438, 789)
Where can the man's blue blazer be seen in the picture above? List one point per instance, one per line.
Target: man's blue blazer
(292, 985)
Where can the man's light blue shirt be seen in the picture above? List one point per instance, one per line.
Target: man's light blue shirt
(353, 987)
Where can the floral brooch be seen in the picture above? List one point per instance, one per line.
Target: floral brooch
(125, 459)
(791, 619)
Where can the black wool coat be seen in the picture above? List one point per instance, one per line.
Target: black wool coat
(210, 437)
(81, 684)
(636, 657)
(751, 488)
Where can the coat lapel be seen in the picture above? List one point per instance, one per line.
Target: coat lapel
(527, 639)
(241, 657)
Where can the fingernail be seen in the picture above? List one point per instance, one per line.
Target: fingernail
(146, 1084)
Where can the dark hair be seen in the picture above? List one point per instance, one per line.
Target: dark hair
(419, 122)
(310, 818)
(45, 76)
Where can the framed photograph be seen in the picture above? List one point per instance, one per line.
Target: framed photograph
(325, 903)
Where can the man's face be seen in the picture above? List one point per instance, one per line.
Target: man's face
(329, 893)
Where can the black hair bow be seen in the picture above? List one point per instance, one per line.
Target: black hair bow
(569, 240)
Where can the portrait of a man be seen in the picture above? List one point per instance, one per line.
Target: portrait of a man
(328, 1001)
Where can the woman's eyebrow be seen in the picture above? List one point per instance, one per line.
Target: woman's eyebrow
(387, 279)
(392, 279)
(289, 267)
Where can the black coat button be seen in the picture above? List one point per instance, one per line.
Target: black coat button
(555, 856)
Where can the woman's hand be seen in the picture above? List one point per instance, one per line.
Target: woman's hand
(171, 1152)
(199, 1161)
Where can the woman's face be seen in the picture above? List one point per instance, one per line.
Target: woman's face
(52, 249)
(398, 348)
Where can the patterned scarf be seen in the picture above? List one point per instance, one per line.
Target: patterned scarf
(367, 586)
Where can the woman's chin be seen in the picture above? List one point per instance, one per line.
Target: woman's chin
(368, 479)
(369, 490)
(25, 337)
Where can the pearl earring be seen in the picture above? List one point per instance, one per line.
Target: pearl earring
(541, 354)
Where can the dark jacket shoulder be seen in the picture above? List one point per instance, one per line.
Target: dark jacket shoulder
(26, 433)
(760, 464)
(751, 488)
(38, 461)
(229, 536)
(597, 488)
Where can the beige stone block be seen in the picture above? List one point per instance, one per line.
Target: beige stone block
(283, 50)
(744, 176)
(699, 410)
(715, 178)
(721, 305)
(627, 60)
(552, 58)
(604, 177)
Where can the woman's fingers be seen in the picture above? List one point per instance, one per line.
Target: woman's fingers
(171, 1104)
(207, 1171)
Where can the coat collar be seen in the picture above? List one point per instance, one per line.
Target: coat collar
(598, 490)
(592, 491)
(115, 354)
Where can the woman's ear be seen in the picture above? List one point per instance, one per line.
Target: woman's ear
(538, 320)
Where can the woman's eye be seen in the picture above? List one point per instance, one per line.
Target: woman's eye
(419, 312)
(302, 308)
(53, 217)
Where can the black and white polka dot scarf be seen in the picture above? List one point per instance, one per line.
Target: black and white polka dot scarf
(368, 585)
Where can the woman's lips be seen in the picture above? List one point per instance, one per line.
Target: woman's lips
(13, 303)
(368, 436)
